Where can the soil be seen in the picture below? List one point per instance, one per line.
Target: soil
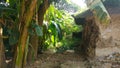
(63, 60)
(109, 59)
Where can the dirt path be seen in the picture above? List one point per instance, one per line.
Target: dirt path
(64, 60)
(106, 58)
(107, 51)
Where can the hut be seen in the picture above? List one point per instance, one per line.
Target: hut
(95, 35)
(90, 33)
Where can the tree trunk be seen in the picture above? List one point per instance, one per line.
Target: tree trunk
(22, 44)
(89, 39)
(42, 10)
(2, 54)
(33, 48)
(21, 49)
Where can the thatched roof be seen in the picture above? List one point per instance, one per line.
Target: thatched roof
(84, 14)
(80, 18)
(112, 6)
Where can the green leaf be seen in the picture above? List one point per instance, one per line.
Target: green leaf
(38, 30)
(4, 8)
(14, 37)
(6, 11)
(12, 3)
(30, 31)
(57, 29)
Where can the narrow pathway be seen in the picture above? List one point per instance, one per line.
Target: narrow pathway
(64, 60)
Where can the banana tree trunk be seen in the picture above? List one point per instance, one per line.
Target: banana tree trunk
(22, 44)
(2, 54)
(42, 10)
(21, 49)
(33, 48)
(34, 40)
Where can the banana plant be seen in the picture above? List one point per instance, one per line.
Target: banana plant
(52, 33)
(55, 31)
(18, 16)
(59, 25)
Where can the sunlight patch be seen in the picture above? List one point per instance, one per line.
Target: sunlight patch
(80, 3)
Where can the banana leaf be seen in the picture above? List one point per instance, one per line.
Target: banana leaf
(56, 29)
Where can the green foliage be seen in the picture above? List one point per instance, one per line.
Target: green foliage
(16, 20)
(9, 15)
(55, 29)
(67, 44)
(6, 12)
(60, 28)
(14, 36)
(54, 34)
(38, 30)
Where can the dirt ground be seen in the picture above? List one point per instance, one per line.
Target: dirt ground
(64, 60)
(72, 60)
